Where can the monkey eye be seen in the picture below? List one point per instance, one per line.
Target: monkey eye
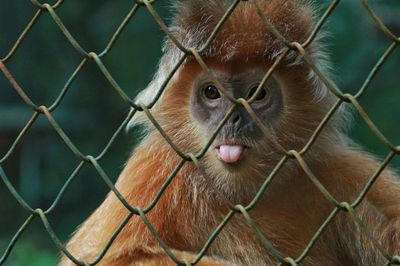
(261, 95)
(211, 92)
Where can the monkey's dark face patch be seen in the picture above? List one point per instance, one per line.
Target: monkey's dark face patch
(240, 132)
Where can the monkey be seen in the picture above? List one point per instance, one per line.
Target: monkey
(291, 105)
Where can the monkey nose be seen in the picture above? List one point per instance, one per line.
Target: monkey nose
(230, 153)
(235, 119)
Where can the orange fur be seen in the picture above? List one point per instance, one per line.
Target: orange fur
(291, 209)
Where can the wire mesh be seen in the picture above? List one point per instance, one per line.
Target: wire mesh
(93, 160)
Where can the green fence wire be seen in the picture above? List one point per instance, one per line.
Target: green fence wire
(349, 208)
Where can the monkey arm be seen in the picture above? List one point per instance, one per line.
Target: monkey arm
(379, 210)
(368, 245)
(139, 182)
(356, 171)
(381, 214)
(160, 258)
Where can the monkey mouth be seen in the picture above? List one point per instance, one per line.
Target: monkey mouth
(230, 153)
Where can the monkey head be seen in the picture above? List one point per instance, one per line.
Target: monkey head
(290, 104)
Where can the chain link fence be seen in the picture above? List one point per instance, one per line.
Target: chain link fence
(93, 160)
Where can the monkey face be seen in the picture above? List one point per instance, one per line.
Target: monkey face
(240, 137)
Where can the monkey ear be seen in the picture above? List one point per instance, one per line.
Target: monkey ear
(145, 97)
(148, 95)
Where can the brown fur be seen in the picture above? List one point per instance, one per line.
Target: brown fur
(244, 35)
(291, 209)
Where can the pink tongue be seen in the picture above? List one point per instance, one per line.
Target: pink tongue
(230, 153)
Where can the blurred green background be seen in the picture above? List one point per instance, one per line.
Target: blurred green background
(92, 111)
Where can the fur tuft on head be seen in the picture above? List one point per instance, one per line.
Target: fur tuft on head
(244, 35)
